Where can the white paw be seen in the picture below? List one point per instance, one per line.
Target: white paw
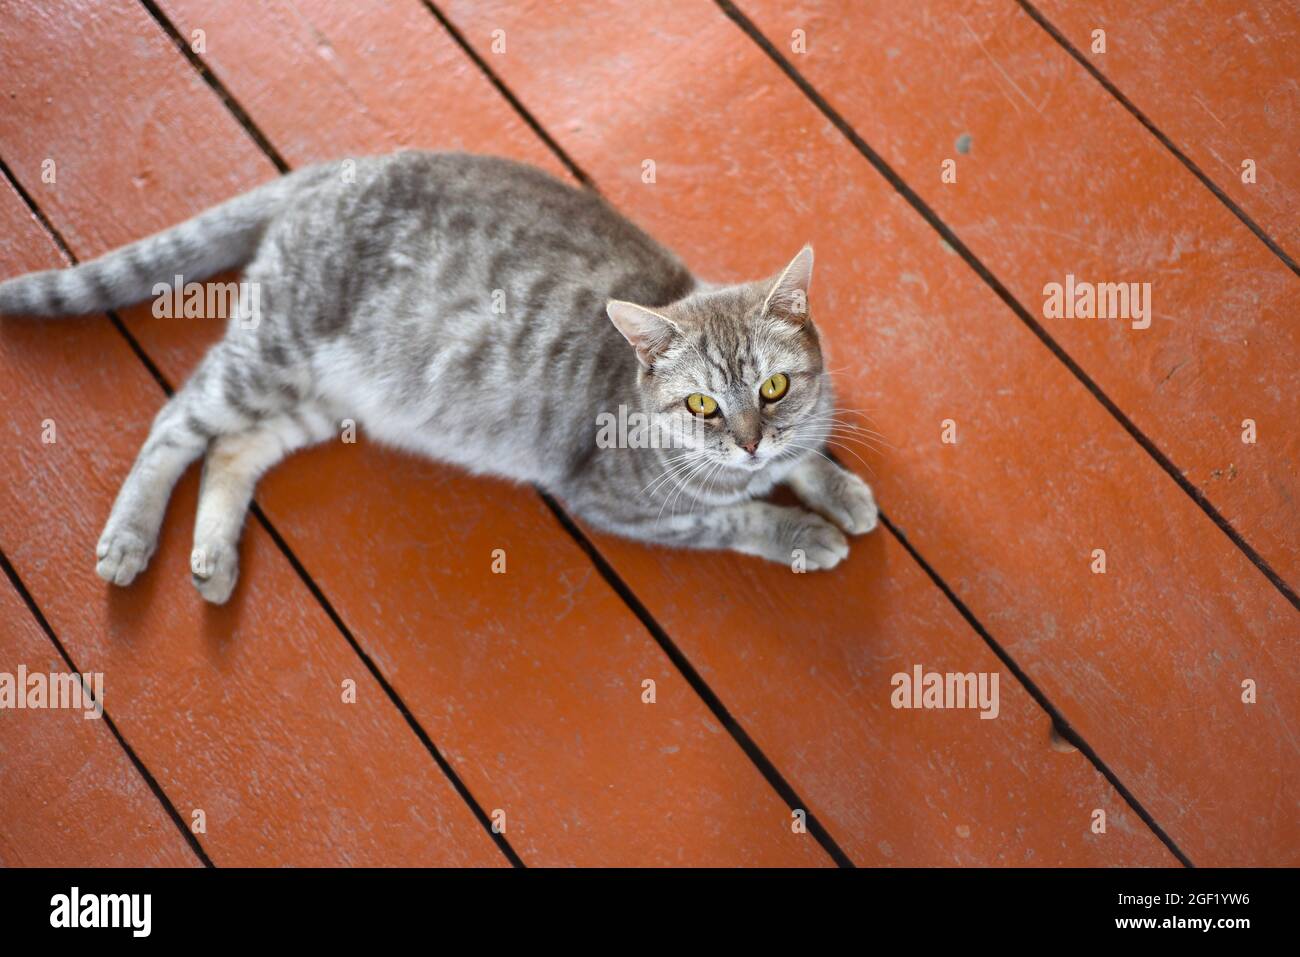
(214, 569)
(818, 543)
(121, 555)
(852, 506)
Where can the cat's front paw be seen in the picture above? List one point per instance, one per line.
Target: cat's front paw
(851, 505)
(816, 544)
(837, 493)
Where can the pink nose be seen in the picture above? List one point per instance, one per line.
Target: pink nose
(751, 447)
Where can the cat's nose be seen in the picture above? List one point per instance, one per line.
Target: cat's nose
(752, 446)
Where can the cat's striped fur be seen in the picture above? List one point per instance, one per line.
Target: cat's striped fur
(483, 313)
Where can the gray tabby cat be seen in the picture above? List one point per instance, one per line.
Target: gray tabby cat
(455, 306)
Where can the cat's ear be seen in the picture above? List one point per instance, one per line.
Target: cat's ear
(647, 331)
(788, 297)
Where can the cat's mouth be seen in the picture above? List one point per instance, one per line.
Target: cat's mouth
(749, 463)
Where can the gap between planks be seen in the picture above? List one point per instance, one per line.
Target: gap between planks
(1055, 33)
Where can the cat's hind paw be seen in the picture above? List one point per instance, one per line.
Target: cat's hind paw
(121, 555)
(214, 570)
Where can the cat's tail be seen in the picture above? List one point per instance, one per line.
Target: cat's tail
(222, 238)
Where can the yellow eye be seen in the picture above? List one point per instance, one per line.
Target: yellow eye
(701, 404)
(775, 387)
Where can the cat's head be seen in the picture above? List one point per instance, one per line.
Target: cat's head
(737, 369)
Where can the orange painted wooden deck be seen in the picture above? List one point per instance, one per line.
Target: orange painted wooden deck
(499, 719)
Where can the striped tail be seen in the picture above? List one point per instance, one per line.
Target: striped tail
(222, 238)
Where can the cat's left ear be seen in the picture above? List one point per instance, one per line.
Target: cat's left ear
(788, 297)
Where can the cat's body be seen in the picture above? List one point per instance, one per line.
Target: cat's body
(461, 307)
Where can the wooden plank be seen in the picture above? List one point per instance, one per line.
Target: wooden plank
(893, 789)
(238, 712)
(1146, 660)
(70, 795)
(529, 681)
(1218, 79)
(1060, 180)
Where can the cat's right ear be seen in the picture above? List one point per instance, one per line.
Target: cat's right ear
(648, 332)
